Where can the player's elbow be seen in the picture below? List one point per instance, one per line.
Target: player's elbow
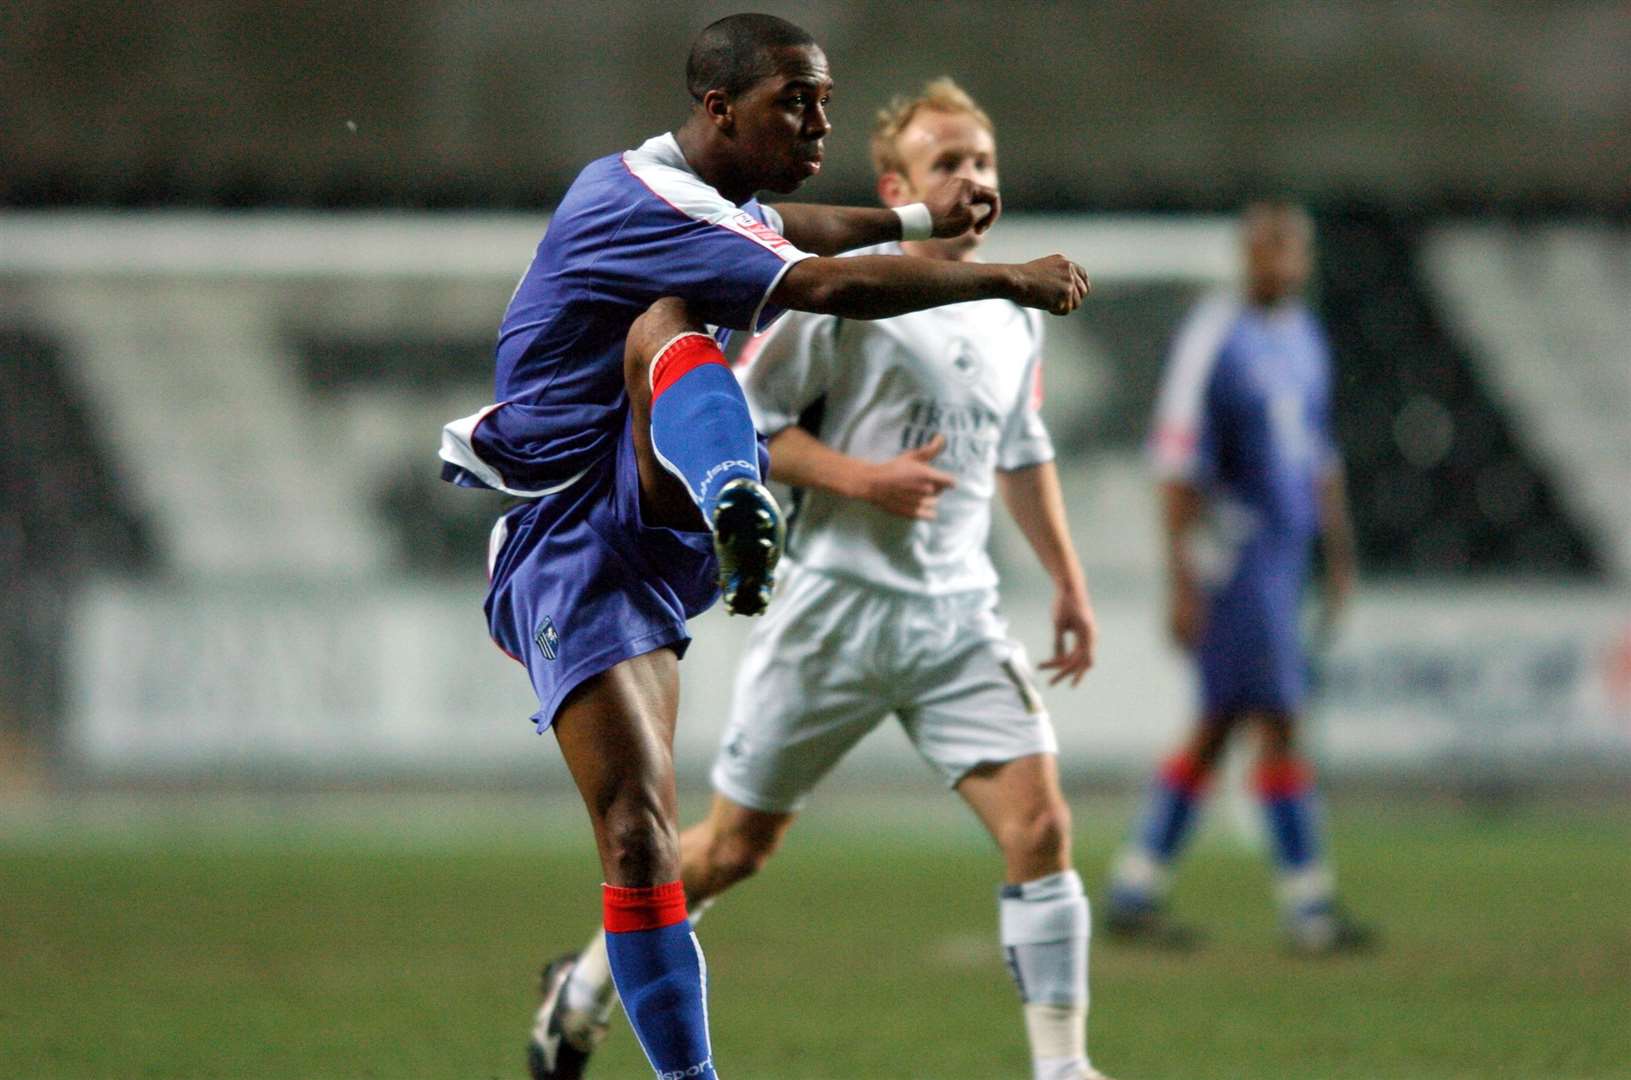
(821, 286)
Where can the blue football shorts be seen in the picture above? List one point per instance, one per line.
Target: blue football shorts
(1251, 656)
(580, 582)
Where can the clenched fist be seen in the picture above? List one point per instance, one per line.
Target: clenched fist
(1053, 284)
(960, 204)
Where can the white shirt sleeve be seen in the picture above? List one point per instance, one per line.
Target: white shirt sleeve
(786, 369)
(1025, 439)
(1180, 420)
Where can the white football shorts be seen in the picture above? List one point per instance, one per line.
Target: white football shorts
(833, 658)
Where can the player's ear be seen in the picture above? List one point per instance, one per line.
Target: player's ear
(716, 104)
(894, 189)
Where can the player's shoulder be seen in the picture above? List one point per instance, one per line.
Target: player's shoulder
(1313, 325)
(1199, 348)
(658, 170)
(653, 177)
(1207, 328)
(1215, 313)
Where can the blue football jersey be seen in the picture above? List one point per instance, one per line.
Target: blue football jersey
(633, 228)
(1245, 415)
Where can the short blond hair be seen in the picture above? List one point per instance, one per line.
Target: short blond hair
(938, 95)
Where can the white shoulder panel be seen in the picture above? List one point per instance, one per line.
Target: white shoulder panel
(1183, 388)
(659, 165)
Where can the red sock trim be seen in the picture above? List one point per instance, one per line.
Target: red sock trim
(1185, 773)
(642, 909)
(681, 356)
(1287, 778)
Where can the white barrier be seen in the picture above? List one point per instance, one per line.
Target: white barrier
(335, 682)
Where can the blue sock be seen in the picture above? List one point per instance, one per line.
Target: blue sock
(700, 425)
(1286, 788)
(1171, 809)
(1139, 878)
(661, 978)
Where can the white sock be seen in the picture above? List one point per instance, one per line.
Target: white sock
(1137, 873)
(589, 989)
(1044, 932)
(1058, 1035)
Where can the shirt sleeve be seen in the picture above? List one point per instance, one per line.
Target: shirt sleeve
(1183, 443)
(784, 371)
(1025, 439)
(682, 238)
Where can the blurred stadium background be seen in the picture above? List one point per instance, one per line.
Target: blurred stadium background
(258, 763)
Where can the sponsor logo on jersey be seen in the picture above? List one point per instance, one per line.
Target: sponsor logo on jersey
(966, 363)
(686, 1074)
(548, 639)
(761, 232)
(971, 433)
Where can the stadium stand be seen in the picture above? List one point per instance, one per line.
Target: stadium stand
(1541, 311)
(396, 392)
(65, 514)
(210, 415)
(1442, 482)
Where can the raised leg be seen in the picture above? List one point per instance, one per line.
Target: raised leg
(697, 450)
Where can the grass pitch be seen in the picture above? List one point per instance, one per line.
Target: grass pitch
(372, 937)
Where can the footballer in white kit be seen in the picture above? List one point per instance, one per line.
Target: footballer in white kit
(882, 613)
(896, 434)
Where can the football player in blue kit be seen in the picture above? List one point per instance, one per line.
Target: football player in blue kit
(620, 425)
(899, 435)
(1250, 479)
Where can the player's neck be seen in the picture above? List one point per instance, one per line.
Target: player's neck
(935, 249)
(709, 162)
(1269, 303)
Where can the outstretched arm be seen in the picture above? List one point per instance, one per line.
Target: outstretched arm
(832, 230)
(954, 208)
(882, 286)
(1038, 507)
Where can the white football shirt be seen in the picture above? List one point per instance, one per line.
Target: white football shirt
(971, 372)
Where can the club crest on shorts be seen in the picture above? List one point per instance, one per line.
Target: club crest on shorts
(547, 638)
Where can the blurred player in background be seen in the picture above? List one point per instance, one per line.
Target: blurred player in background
(897, 433)
(1250, 479)
(625, 432)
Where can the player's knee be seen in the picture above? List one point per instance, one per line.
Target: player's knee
(1277, 736)
(1041, 836)
(1207, 745)
(654, 328)
(639, 842)
(735, 856)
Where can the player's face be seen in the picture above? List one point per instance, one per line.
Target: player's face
(1279, 257)
(937, 146)
(780, 121)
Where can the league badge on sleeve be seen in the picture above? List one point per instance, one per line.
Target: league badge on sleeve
(547, 639)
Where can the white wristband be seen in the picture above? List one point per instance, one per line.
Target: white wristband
(916, 223)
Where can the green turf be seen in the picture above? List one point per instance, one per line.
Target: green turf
(294, 942)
